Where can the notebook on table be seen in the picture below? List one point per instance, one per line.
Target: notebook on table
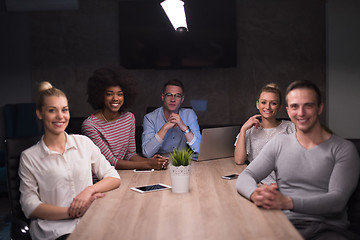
(217, 143)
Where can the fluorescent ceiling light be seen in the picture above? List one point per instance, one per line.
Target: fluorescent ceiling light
(175, 11)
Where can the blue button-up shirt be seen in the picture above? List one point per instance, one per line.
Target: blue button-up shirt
(174, 138)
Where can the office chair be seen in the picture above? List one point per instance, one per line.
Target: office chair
(152, 108)
(14, 147)
(74, 126)
(21, 121)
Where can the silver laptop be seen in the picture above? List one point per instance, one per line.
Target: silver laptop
(217, 142)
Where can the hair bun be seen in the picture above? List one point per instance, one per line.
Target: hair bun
(44, 86)
(272, 85)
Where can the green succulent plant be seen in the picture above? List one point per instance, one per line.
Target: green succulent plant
(181, 157)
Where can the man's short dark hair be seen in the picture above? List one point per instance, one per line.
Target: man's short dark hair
(174, 82)
(305, 84)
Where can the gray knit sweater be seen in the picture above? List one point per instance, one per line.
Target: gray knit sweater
(320, 180)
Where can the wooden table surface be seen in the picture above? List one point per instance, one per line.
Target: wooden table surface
(211, 210)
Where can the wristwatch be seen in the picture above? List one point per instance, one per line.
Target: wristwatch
(187, 130)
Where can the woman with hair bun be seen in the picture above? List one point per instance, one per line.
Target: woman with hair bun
(56, 173)
(261, 128)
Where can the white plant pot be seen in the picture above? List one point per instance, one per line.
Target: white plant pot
(180, 178)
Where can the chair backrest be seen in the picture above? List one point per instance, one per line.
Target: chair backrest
(14, 147)
(152, 108)
(354, 201)
(21, 121)
(74, 126)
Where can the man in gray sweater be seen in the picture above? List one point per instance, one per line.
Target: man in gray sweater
(316, 171)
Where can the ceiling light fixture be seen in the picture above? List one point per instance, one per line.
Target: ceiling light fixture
(175, 11)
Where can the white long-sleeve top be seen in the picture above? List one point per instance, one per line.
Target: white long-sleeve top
(52, 178)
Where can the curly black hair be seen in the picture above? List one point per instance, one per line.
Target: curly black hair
(107, 77)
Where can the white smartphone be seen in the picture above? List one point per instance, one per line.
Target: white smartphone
(231, 176)
(151, 188)
(143, 170)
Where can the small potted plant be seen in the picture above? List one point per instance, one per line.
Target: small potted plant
(180, 170)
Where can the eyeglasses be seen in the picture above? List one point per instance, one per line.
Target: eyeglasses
(171, 95)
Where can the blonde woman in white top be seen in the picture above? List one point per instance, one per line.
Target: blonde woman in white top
(56, 173)
(262, 127)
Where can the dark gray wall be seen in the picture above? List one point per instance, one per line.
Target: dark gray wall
(278, 41)
(15, 81)
(343, 81)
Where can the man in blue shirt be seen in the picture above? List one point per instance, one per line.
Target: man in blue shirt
(170, 127)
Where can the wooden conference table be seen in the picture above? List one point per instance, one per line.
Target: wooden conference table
(211, 210)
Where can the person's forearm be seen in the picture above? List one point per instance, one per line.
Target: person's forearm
(50, 212)
(189, 136)
(132, 164)
(106, 184)
(245, 184)
(195, 138)
(288, 204)
(195, 143)
(162, 132)
(150, 142)
(151, 147)
(138, 158)
(240, 149)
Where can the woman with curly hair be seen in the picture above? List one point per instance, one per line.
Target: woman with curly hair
(112, 127)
